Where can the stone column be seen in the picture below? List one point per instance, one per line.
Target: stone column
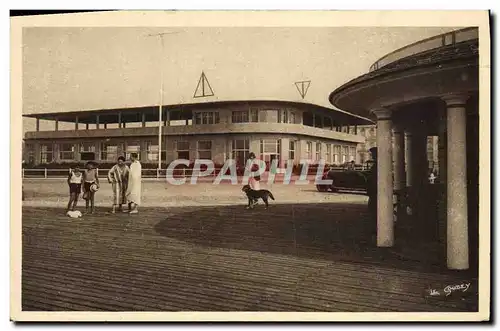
(97, 122)
(119, 119)
(408, 157)
(385, 217)
(143, 120)
(57, 124)
(76, 123)
(457, 225)
(37, 124)
(399, 158)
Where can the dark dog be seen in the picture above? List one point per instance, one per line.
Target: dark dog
(254, 196)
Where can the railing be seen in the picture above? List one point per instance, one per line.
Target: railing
(444, 39)
(46, 173)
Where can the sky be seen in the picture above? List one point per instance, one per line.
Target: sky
(73, 69)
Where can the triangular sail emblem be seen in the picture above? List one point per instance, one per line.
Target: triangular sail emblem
(303, 87)
(203, 89)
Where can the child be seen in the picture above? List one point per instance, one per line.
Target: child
(89, 178)
(75, 187)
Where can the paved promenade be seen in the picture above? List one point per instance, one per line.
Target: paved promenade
(198, 248)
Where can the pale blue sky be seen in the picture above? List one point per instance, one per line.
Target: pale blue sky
(69, 69)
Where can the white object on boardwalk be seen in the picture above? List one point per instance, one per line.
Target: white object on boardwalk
(74, 213)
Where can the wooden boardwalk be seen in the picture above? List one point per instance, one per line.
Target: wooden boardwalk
(310, 257)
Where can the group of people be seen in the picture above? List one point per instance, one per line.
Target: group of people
(126, 185)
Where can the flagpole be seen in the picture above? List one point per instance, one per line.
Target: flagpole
(160, 110)
(160, 107)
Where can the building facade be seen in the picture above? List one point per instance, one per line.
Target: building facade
(215, 131)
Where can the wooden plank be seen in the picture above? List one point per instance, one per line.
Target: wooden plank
(221, 260)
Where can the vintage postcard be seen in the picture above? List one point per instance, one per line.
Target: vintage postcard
(251, 166)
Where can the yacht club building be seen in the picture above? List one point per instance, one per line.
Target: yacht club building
(211, 130)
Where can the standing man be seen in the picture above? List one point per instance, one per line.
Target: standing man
(134, 189)
(372, 186)
(118, 177)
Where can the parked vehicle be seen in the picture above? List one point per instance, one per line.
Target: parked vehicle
(346, 180)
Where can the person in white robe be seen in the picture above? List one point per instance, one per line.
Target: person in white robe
(134, 189)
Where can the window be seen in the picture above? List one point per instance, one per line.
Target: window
(352, 153)
(46, 153)
(328, 123)
(109, 152)
(345, 152)
(206, 117)
(318, 151)
(318, 121)
(205, 150)
(328, 154)
(133, 147)
(336, 154)
(270, 149)
(87, 151)
(309, 150)
(269, 116)
(283, 116)
(254, 115)
(66, 151)
(152, 151)
(182, 148)
(30, 154)
(307, 118)
(240, 151)
(87, 148)
(240, 116)
(291, 150)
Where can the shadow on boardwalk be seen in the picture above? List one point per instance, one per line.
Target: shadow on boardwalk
(336, 232)
(302, 257)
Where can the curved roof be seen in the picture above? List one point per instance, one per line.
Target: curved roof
(427, 44)
(134, 114)
(463, 51)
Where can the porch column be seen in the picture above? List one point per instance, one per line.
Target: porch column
(57, 124)
(37, 124)
(457, 227)
(385, 217)
(408, 158)
(167, 120)
(143, 120)
(399, 158)
(97, 122)
(76, 123)
(119, 119)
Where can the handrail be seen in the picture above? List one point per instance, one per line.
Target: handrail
(46, 173)
(448, 38)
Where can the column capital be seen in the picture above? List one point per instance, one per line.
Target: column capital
(382, 113)
(453, 100)
(398, 128)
